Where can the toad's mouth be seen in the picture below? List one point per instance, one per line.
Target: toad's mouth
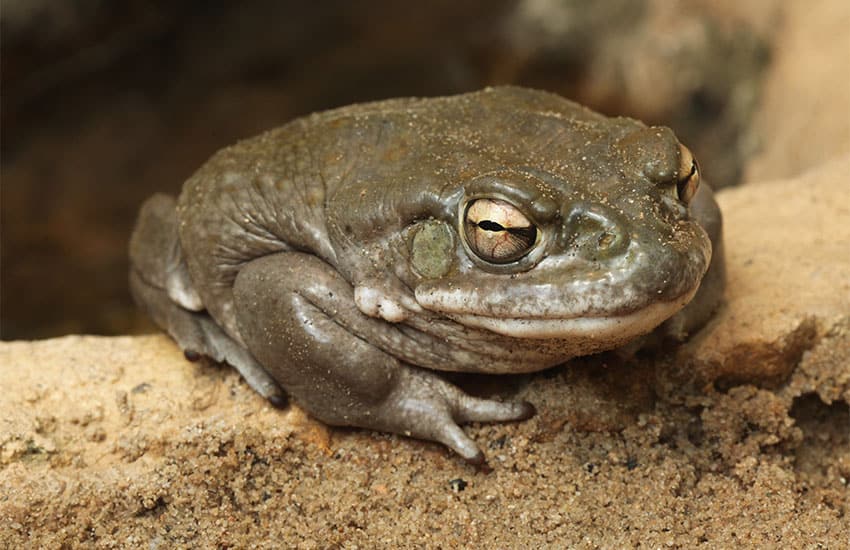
(602, 328)
(569, 299)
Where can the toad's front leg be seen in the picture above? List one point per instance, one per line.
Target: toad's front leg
(298, 317)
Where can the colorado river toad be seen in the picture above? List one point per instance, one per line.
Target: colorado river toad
(349, 255)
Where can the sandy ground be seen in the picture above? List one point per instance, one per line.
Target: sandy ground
(739, 437)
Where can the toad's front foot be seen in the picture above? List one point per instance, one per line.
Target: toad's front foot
(424, 406)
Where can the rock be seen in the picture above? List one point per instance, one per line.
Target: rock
(788, 266)
(804, 117)
(83, 400)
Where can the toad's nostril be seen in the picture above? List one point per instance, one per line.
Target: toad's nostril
(594, 233)
(606, 239)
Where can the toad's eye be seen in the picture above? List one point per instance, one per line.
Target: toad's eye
(687, 181)
(497, 232)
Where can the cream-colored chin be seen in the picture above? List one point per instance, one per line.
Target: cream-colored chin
(600, 329)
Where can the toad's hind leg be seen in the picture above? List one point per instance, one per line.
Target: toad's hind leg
(297, 315)
(161, 286)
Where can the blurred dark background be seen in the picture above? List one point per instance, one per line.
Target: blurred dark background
(104, 103)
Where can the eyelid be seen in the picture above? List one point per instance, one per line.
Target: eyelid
(517, 187)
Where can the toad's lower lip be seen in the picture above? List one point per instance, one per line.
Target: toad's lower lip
(614, 328)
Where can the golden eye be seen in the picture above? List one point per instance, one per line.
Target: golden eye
(497, 232)
(687, 181)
